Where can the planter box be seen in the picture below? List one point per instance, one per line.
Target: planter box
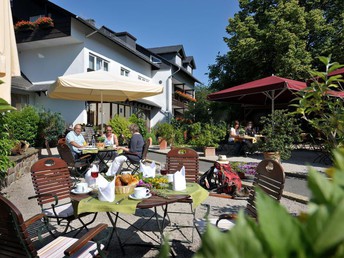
(209, 151)
(162, 143)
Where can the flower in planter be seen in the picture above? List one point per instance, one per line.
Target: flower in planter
(186, 96)
(44, 22)
(245, 168)
(24, 26)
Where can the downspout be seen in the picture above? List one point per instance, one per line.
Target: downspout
(168, 94)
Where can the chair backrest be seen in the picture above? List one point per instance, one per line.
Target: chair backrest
(145, 148)
(65, 152)
(51, 176)
(14, 237)
(270, 178)
(178, 157)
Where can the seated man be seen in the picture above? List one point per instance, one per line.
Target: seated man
(75, 140)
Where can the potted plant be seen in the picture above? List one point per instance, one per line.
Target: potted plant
(207, 136)
(280, 132)
(100, 142)
(24, 26)
(165, 134)
(44, 22)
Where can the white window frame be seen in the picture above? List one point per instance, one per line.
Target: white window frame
(103, 64)
(125, 72)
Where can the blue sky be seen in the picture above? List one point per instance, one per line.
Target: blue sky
(199, 25)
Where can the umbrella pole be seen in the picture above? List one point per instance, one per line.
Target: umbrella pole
(101, 112)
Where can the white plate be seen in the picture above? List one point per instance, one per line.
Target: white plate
(86, 192)
(134, 198)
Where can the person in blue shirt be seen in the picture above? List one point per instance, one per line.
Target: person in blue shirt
(75, 141)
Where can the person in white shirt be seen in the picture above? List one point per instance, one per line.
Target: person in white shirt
(75, 140)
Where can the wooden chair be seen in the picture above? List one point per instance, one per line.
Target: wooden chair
(77, 167)
(176, 158)
(15, 240)
(135, 165)
(269, 177)
(179, 157)
(52, 183)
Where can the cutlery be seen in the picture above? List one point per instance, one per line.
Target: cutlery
(118, 202)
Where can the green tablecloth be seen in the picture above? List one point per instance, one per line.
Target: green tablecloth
(128, 206)
(92, 204)
(197, 193)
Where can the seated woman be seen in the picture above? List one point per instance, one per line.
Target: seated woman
(234, 138)
(133, 153)
(110, 140)
(110, 137)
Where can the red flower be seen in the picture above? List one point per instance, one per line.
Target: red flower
(44, 22)
(24, 25)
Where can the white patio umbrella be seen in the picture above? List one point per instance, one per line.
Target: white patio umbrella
(101, 86)
(9, 62)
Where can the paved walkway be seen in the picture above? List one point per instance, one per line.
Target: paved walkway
(22, 188)
(297, 165)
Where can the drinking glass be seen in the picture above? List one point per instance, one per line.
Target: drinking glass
(94, 174)
(163, 170)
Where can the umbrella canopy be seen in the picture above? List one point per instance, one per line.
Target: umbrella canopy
(101, 86)
(9, 62)
(260, 92)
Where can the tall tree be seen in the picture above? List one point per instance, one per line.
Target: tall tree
(280, 37)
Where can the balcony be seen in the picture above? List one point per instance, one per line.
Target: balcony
(62, 28)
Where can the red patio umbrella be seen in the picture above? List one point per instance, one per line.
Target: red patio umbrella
(260, 92)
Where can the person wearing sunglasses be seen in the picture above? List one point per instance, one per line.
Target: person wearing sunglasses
(110, 138)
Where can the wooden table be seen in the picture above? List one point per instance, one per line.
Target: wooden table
(103, 156)
(153, 202)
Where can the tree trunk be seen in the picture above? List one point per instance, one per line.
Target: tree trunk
(48, 147)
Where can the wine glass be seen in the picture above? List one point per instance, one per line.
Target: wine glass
(163, 170)
(94, 174)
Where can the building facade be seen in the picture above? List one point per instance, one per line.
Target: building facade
(74, 45)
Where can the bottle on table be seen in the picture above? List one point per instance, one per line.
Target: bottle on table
(93, 141)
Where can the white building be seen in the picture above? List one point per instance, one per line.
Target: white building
(74, 45)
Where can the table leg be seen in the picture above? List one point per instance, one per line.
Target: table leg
(124, 242)
(114, 230)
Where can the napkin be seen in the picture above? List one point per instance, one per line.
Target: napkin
(148, 170)
(179, 181)
(106, 193)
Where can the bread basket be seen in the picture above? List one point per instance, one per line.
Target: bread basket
(128, 189)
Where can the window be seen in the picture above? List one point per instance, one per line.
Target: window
(142, 78)
(96, 63)
(124, 72)
(155, 60)
(34, 18)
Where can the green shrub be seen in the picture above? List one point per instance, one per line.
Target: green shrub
(51, 125)
(23, 124)
(152, 135)
(141, 123)
(120, 128)
(6, 145)
(316, 234)
(207, 135)
(165, 131)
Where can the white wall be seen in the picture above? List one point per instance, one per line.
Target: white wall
(73, 112)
